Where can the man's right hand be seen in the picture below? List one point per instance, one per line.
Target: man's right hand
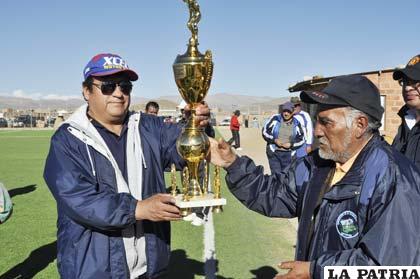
(221, 153)
(160, 207)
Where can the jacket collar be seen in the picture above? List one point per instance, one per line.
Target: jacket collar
(354, 177)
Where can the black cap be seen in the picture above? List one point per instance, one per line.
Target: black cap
(353, 91)
(412, 70)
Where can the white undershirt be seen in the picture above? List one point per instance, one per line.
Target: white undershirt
(410, 118)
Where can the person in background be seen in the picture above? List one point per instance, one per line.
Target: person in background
(105, 169)
(234, 128)
(152, 107)
(284, 135)
(356, 197)
(407, 140)
(306, 122)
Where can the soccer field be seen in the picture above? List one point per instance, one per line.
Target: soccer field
(248, 245)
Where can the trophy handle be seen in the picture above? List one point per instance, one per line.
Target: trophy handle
(209, 66)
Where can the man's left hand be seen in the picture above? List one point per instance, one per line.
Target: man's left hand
(202, 113)
(297, 270)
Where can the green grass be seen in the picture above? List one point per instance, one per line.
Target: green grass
(245, 240)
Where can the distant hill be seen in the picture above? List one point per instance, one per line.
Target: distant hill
(219, 102)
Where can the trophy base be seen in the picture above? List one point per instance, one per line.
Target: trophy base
(207, 200)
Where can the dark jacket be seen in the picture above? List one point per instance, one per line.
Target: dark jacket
(92, 214)
(370, 217)
(408, 141)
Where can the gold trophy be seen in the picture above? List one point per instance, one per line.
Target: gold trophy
(193, 72)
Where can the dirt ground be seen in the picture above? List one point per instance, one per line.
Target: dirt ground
(253, 146)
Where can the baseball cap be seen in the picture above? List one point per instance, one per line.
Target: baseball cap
(106, 64)
(288, 106)
(352, 90)
(411, 70)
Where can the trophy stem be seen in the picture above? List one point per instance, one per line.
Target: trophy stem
(194, 187)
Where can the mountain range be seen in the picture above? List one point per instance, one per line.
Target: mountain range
(221, 102)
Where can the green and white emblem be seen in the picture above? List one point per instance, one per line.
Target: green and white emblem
(346, 224)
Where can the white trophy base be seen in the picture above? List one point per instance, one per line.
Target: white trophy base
(201, 201)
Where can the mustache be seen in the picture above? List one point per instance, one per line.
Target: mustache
(323, 141)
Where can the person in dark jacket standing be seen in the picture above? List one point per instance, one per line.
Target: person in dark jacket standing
(105, 170)
(234, 128)
(407, 140)
(356, 197)
(284, 135)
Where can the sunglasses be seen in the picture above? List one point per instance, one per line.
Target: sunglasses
(108, 87)
(408, 82)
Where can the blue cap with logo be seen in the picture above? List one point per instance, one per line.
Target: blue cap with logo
(106, 64)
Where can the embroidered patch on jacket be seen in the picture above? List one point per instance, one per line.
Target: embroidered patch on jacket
(346, 224)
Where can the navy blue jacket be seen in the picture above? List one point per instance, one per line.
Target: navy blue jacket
(92, 214)
(408, 141)
(370, 217)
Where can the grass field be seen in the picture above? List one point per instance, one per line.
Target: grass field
(248, 245)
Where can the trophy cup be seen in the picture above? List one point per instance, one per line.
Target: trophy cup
(193, 72)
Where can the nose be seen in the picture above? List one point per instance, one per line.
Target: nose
(318, 130)
(117, 92)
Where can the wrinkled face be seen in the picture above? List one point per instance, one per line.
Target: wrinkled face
(411, 93)
(109, 106)
(335, 137)
(287, 115)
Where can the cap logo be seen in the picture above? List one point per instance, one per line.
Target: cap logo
(414, 60)
(320, 95)
(112, 62)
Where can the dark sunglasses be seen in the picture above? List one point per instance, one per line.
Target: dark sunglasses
(108, 87)
(408, 82)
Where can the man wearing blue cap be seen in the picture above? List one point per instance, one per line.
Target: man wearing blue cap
(356, 197)
(283, 134)
(105, 169)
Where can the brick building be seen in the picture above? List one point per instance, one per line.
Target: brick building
(390, 91)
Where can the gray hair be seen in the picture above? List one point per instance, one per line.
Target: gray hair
(373, 124)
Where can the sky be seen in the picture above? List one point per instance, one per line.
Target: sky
(259, 47)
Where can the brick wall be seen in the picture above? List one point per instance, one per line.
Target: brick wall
(393, 100)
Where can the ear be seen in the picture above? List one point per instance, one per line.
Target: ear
(86, 93)
(361, 126)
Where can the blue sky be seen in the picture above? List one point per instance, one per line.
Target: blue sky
(259, 47)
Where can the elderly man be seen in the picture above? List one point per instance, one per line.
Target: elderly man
(105, 169)
(356, 197)
(407, 140)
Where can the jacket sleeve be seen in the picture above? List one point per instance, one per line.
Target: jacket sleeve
(209, 130)
(69, 177)
(299, 139)
(267, 131)
(270, 195)
(390, 235)
(309, 135)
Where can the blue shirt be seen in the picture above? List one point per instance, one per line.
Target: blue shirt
(116, 144)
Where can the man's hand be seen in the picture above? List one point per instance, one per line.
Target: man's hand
(278, 142)
(202, 113)
(297, 270)
(308, 149)
(221, 154)
(160, 207)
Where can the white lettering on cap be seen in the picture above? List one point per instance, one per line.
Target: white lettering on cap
(114, 62)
